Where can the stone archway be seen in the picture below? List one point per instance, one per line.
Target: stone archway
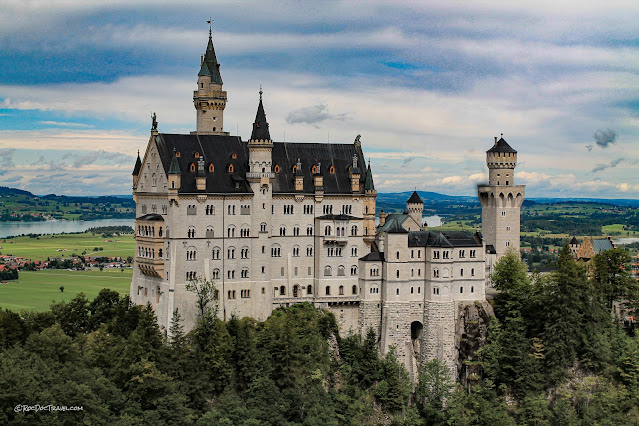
(416, 331)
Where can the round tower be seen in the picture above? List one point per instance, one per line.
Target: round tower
(501, 199)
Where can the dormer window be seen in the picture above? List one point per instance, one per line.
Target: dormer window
(196, 155)
(294, 168)
(332, 170)
(211, 168)
(234, 156)
(192, 167)
(314, 169)
(276, 169)
(231, 168)
(178, 155)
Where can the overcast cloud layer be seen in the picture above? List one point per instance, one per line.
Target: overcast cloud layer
(427, 85)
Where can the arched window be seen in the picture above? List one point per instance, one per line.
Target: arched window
(234, 156)
(309, 251)
(282, 291)
(178, 154)
(327, 230)
(328, 271)
(341, 290)
(276, 169)
(309, 289)
(262, 227)
(231, 168)
(294, 168)
(354, 251)
(328, 290)
(216, 274)
(354, 230)
(296, 290)
(332, 169)
(196, 154)
(314, 169)
(340, 271)
(353, 270)
(190, 233)
(192, 167)
(354, 289)
(211, 168)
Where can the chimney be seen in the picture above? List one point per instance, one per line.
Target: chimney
(495, 140)
(382, 218)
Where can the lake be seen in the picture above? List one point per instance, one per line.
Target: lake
(58, 226)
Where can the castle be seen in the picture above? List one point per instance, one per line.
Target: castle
(277, 223)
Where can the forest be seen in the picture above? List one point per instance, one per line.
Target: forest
(553, 355)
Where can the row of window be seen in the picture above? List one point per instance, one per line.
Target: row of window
(309, 290)
(461, 273)
(149, 253)
(340, 231)
(154, 209)
(445, 254)
(149, 231)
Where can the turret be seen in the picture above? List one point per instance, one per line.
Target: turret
(355, 175)
(260, 149)
(136, 171)
(209, 99)
(501, 160)
(200, 179)
(175, 175)
(415, 207)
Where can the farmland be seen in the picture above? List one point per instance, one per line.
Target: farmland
(35, 290)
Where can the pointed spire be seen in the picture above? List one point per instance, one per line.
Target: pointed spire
(174, 168)
(260, 126)
(138, 165)
(415, 198)
(210, 66)
(368, 185)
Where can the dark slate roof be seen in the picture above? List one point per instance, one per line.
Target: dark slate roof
(286, 154)
(210, 65)
(602, 245)
(374, 256)
(138, 165)
(444, 239)
(391, 219)
(501, 146)
(490, 249)
(216, 149)
(574, 241)
(369, 186)
(396, 228)
(260, 126)
(151, 216)
(415, 199)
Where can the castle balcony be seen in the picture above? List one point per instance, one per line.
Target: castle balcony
(150, 267)
(260, 175)
(335, 239)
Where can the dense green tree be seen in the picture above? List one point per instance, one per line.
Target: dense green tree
(612, 278)
(434, 387)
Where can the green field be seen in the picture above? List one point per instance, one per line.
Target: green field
(35, 291)
(64, 245)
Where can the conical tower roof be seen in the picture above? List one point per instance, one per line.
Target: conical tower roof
(368, 185)
(501, 146)
(138, 166)
(210, 66)
(174, 168)
(260, 126)
(415, 199)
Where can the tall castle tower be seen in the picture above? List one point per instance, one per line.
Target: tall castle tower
(501, 199)
(209, 99)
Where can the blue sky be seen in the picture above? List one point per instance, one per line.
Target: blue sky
(427, 85)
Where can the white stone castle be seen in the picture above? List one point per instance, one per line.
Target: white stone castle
(277, 223)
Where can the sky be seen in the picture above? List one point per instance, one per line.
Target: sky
(427, 85)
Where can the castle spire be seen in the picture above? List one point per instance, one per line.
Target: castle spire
(368, 185)
(260, 126)
(210, 66)
(138, 165)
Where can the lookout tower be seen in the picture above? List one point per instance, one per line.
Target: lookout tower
(501, 199)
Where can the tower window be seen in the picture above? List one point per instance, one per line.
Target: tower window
(276, 169)
(211, 168)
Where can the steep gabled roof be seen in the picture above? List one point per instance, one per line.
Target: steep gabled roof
(445, 239)
(574, 241)
(210, 66)
(501, 146)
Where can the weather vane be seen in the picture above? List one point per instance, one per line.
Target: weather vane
(210, 26)
(260, 92)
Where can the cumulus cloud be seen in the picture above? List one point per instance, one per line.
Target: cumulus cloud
(606, 137)
(313, 115)
(601, 167)
(93, 156)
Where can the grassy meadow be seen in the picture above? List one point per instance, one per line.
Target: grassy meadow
(35, 290)
(64, 245)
